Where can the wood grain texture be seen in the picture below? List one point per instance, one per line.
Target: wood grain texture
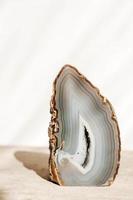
(24, 176)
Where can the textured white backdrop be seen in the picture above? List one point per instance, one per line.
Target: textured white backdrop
(38, 37)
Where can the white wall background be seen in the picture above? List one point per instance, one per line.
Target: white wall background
(38, 37)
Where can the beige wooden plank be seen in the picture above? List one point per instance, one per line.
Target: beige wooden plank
(24, 176)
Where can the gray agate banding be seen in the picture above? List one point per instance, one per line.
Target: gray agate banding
(84, 133)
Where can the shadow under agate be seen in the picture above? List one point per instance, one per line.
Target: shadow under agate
(2, 195)
(36, 161)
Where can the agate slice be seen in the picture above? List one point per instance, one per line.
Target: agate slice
(84, 135)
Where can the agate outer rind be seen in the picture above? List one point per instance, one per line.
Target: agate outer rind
(54, 128)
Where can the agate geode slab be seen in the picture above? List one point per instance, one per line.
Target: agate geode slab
(83, 132)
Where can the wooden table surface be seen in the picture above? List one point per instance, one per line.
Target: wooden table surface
(24, 176)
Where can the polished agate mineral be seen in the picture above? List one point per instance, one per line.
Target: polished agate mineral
(83, 133)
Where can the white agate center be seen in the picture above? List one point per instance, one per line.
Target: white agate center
(76, 160)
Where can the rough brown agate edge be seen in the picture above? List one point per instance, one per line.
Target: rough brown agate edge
(54, 129)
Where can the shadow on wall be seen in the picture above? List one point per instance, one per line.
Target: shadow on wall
(35, 161)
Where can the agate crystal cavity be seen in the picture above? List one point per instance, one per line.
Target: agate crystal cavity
(84, 135)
